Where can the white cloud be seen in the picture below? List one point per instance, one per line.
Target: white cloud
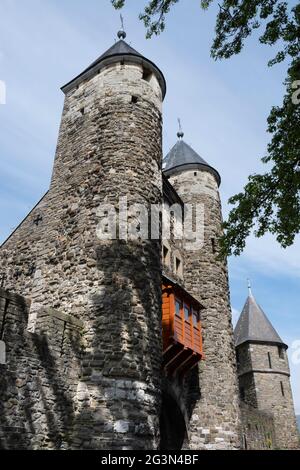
(235, 315)
(266, 256)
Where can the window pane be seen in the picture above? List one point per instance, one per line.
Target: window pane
(177, 308)
(195, 318)
(186, 312)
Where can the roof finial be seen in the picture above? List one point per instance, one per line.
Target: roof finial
(121, 33)
(180, 133)
(249, 287)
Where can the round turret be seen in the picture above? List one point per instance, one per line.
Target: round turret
(206, 278)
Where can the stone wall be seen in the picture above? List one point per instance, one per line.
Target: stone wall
(39, 379)
(264, 377)
(109, 147)
(258, 429)
(213, 389)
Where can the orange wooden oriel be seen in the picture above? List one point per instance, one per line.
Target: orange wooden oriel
(181, 325)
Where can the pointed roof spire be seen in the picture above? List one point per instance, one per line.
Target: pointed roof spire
(180, 133)
(182, 156)
(254, 326)
(249, 287)
(122, 34)
(119, 52)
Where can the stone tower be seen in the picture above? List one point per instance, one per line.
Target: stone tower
(109, 148)
(263, 372)
(214, 416)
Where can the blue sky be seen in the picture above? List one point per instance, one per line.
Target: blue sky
(223, 107)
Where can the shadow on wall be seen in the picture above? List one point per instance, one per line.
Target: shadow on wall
(42, 405)
(122, 367)
(36, 407)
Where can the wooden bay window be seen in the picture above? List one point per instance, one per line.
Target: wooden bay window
(182, 338)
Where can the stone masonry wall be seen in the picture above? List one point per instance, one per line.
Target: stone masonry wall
(258, 429)
(213, 391)
(246, 380)
(274, 393)
(109, 147)
(266, 386)
(39, 379)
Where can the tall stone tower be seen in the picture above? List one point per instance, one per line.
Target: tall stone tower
(214, 415)
(263, 371)
(109, 148)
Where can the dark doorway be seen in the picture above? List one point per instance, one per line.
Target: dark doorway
(172, 425)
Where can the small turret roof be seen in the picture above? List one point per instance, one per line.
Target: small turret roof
(120, 50)
(183, 155)
(254, 326)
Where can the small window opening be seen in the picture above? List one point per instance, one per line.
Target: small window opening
(82, 111)
(178, 266)
(195, 174)
(134, 99)
(166, 255)
(147, 74)
(281, 352)
(282, 388)
(269, 359)
(214, 245)
(245, 443)
(2, 352)
(242, 393)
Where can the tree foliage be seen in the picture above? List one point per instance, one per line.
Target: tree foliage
(154, 14)
(270, 202)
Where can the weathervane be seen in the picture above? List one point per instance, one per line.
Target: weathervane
(121, 33)
(249, 287)
(180, 133)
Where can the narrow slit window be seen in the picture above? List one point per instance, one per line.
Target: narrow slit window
(2, 352)
(269, 359)
(282, 388)
(178, 266)
(166, 255)
(281, 352)
(147, 74)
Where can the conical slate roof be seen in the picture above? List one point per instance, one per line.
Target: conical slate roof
(119, 51)
(254, 326)
(183, 155)
(119, 48)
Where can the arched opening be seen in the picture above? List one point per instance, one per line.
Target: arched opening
(173, 431)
